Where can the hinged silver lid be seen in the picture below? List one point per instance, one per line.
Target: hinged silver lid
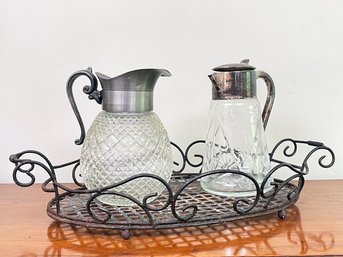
(234, 81)
(242, 66)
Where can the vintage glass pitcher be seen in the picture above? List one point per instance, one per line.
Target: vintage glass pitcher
(235, 138)
(126, 139)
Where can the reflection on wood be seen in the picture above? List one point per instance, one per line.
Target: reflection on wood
(248, 237)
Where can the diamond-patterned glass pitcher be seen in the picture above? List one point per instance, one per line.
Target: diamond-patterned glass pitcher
(126, 139)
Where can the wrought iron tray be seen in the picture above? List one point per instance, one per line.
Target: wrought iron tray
(183, 203)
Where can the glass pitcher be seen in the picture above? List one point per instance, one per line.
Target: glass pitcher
(236, 138)
(127, 138)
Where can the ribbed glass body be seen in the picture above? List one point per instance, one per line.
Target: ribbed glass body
(121, 145)
(235, 141)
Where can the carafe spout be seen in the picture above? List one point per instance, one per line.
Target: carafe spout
(212, 78)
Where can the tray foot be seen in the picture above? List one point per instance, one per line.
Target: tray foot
(281, 214)
(126, 234)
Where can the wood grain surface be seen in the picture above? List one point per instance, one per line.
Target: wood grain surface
(313, 227)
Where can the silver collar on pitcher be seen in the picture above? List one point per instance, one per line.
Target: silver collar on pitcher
(127, 101)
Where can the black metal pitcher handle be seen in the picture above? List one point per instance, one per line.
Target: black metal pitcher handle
(92, 93)
(270, 96)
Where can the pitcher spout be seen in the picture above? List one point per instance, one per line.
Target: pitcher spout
(131, 91)
(136, 80)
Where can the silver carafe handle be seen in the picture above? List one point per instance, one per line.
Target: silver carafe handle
(270, 95)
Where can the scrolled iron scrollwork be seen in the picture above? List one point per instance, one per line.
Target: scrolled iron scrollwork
(50, 169)
(240, 205)
(183, 159)
(144, 204)
(20, 164)
(108, 214)
(303, 168)
(304, 165)
(299, 170)
(277, 185)
(186, 158)
(287, 147)
(74, 175)
(270, 188)
(197, 155)
(271, 195)
(241, 210)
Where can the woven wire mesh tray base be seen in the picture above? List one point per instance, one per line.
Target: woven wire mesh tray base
(183, 203)
(211, 209)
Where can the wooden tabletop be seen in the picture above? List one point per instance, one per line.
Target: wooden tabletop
(313, 227)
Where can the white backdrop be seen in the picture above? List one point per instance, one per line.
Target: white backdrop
(299, 43)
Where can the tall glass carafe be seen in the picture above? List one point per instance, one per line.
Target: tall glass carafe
(126, 139)
(236, 139)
